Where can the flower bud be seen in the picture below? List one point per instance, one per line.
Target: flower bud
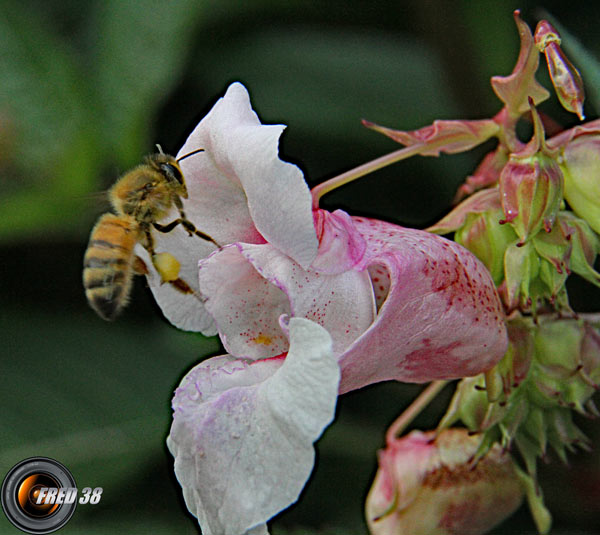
(428, 484)
(487, 173)
(567, 361)
(487, 239)
(531, 185)
(565, 77)
(521, 268)
(531, 191)
(585, 246)
(581, 168)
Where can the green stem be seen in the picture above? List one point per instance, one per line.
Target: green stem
(414, 409)
(362, 170)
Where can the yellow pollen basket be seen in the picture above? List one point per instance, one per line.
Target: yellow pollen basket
(167, 266)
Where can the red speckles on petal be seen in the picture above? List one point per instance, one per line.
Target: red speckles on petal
(438, 316)
(380, 278)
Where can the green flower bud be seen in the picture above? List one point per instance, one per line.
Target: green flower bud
(531, 190)
(521, 268)
(552, 368)
(428, 484)
(531, 185)
(581, 169)
(483, 235)
(567, 362)
(585, 245)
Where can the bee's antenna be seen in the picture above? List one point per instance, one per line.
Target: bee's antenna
(190, 154)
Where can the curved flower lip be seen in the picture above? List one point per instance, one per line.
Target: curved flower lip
(243, 433)
(439, 315)
(238, 191)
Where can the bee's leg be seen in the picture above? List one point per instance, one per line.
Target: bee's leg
(181, 286)
(187, 225)
(167, 267)
(139, 266)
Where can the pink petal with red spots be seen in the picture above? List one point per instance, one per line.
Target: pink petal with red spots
(441, 318)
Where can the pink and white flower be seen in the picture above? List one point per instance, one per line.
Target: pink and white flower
(308, 304)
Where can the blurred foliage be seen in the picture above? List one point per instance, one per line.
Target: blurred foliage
(88, 88)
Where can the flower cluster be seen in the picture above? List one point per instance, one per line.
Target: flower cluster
(310, 304)
(516, 220)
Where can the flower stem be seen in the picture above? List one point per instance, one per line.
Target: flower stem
(414, 409)
(362, 170)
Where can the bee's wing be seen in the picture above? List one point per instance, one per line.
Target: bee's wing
(96, 202)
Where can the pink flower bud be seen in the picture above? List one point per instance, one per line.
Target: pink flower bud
(565, 77)
(487, 173)
(429, 484)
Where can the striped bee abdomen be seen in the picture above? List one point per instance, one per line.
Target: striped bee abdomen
(108, 264)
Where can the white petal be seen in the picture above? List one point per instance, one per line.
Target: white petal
(248, 287)
(185, 311)
(239, 182)
(238, 191)
(343, 303)
(246, 306)
(243, 434)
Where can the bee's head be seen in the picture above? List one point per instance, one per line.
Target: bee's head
(168, 167)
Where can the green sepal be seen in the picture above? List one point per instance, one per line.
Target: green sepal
(535, 499)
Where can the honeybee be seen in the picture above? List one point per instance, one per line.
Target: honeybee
(140, 198)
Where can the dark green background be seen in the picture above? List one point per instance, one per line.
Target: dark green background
(87, 88)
